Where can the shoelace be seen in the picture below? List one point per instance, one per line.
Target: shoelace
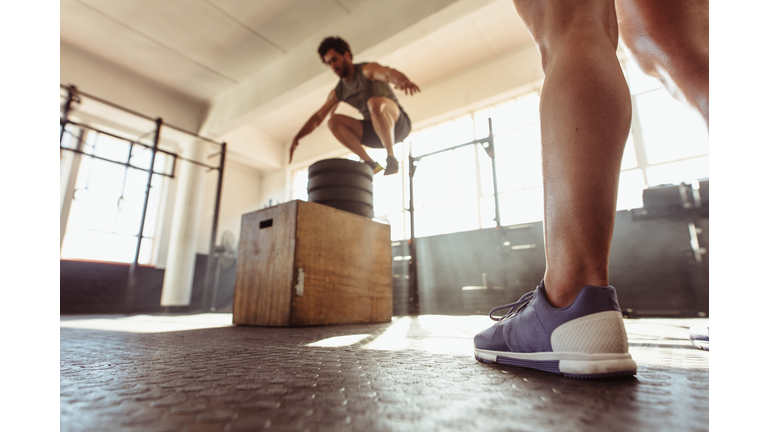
(514, 308)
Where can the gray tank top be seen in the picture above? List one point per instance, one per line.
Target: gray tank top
(359, 89)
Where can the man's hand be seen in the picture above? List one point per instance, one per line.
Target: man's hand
(294, 144)
(408, 87)
(315, 121)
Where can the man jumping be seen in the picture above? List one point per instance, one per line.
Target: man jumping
(366, 87)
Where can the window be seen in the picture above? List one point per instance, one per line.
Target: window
(299, 181)
(668, 143)
(106, 211)
(453, 190)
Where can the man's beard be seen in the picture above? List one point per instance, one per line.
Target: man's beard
(346, 72)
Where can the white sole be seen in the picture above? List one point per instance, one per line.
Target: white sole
(575, 365)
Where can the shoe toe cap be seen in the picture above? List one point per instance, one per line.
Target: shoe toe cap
(491, 339)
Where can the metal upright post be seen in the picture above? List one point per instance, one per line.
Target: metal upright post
(214, 228)
(71, 97)
(413, 263)
(131, 288)
(492, 153)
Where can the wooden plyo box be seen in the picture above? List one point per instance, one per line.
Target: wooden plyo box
(303, 263)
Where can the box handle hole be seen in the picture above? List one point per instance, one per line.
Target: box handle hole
(265, 224)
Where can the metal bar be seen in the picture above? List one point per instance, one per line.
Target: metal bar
(477, 141)
(413, 273)
(492, 153)
(111, 232)
(215, 226)
(114, 105)
(115, 162)
(210, 167)
(173, 166)
(411, 173)
(130, 291)
(139, 143)
(67, 107)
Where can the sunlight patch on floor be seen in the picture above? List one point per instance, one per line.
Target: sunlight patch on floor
(148, 323)
(338, 341)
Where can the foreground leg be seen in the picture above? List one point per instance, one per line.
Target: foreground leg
(384, 113)
(585, 117)
(670, 41)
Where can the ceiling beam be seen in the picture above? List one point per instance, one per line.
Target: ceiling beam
(372, 32)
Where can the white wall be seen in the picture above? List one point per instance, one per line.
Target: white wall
(240, 193)
(116, 85)
(274, 187)
(250, 146)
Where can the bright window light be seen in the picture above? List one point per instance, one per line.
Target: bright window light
(105, 215)
(522, 206)
(629, 160)
(684, 171)
(299, 184)
(638, 81)
(671, 130)
(453, 191)
(631, 185)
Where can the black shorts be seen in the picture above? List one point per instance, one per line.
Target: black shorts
(402, 129)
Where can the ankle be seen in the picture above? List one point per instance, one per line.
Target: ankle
(560, 299)
(562, 294)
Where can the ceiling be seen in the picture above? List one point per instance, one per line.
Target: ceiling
(197, 47)
(216, 50)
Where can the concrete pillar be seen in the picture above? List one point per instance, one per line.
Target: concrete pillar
(163, 232)
(180, 265)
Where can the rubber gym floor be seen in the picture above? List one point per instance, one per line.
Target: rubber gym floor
(200, 373)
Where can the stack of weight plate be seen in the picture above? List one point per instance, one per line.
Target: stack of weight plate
(342, 184)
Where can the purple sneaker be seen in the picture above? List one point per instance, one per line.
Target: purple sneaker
(584, 340)
(700, 336)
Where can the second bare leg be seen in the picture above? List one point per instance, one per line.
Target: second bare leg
(349, 132)
(384, 114)
(670, 41)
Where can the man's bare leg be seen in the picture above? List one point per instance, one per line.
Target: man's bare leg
(349, 131)
(670, 41)
(585, 118)
(384, 114)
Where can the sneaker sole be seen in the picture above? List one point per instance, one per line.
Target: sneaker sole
(572, 365)
(704, 345)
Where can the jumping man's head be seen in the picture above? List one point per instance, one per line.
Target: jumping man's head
(335, 52)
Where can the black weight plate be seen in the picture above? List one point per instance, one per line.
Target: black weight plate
(336, 179)
(340, 165)
(352, 207)
(341, 194)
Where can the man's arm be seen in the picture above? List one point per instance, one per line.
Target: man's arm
(375, 71)
(315, 121)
